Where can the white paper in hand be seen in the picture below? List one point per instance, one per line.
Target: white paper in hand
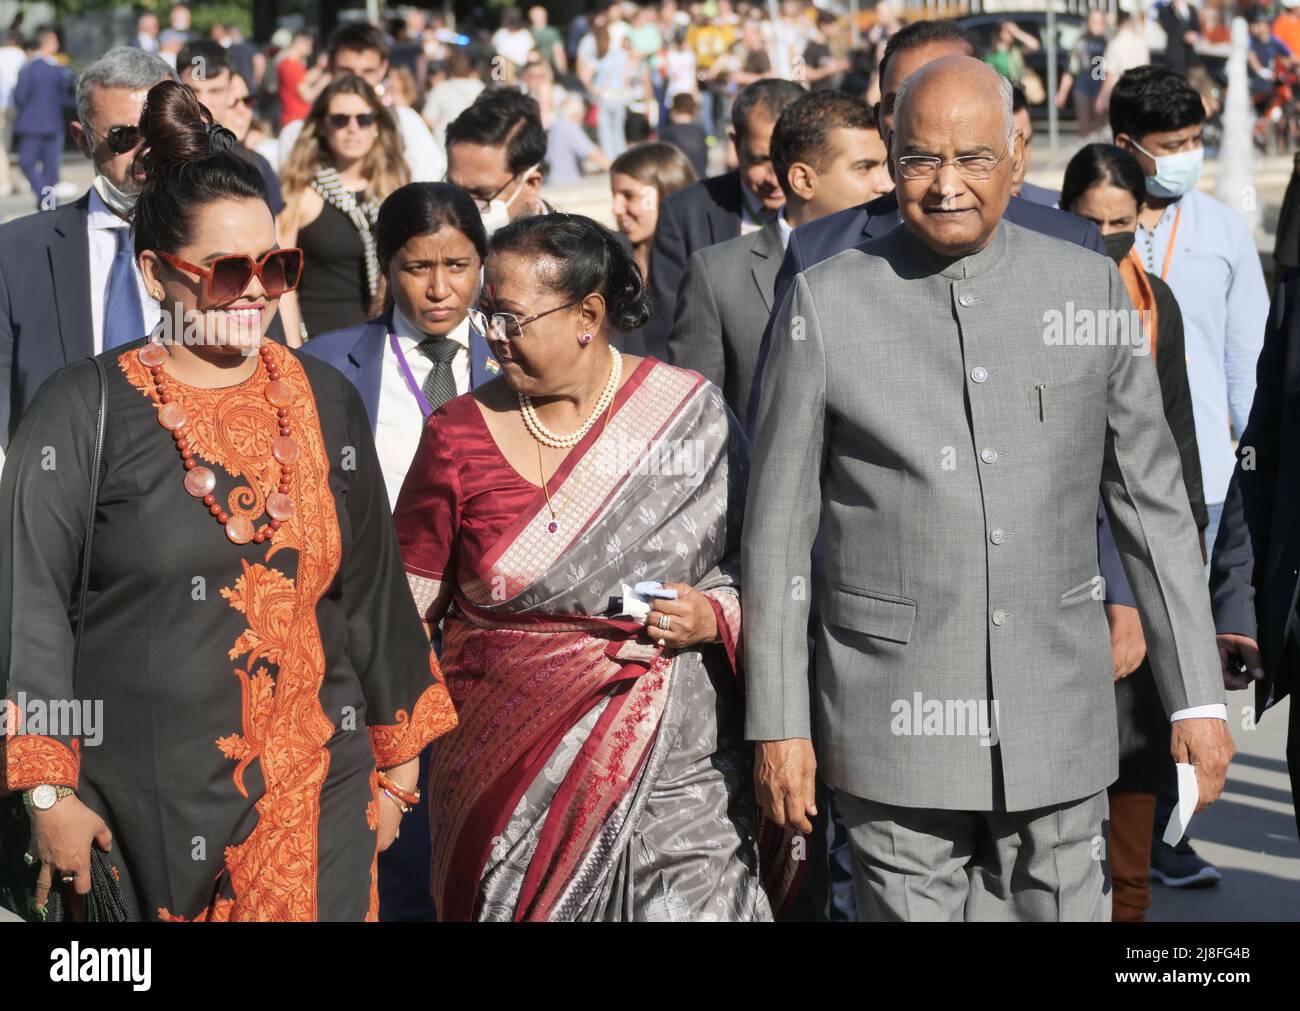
(1188, 797)
(634, 605)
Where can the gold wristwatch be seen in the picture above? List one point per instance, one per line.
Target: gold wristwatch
(45, 796)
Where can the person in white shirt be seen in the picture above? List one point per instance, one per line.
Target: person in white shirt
(513, 40)
(451, 96)
(1127, 50)
(362, 49)
(423, 350)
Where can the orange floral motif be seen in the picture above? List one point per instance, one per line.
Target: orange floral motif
(434, 715)
(273, 872)
(27, 760)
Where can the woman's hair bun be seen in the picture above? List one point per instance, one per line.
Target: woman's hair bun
(220, 139)
(176, 128)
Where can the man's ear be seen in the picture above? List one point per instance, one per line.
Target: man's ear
(1125, 141)
(82, 139)
(802, 178)
(1018, 156)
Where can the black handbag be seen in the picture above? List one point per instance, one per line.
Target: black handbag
(104, 902)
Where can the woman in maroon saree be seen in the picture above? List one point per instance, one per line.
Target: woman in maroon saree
(600, 770)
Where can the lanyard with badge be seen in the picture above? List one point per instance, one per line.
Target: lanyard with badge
(407, 375)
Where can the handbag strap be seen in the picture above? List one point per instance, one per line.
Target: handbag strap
(96, 464)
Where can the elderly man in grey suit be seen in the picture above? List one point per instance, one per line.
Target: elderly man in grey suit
(954, 439)
(827, 155)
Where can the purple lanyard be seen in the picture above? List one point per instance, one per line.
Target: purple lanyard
(411, 385)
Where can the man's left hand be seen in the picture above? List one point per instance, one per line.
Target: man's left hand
(1207, 745)
(1128, 646)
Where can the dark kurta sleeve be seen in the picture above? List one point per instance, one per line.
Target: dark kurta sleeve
(44, 497)
(428, 518)
(407, 705)
(1171, 369)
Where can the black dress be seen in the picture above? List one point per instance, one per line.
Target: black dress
(246, 692)
(332, 293)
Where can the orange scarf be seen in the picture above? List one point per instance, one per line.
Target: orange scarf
(1139, 290)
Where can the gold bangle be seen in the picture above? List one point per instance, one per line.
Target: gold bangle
(401, 806)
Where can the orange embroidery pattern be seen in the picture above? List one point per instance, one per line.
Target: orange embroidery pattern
(30, 759)
(434, 716)
(273, 873)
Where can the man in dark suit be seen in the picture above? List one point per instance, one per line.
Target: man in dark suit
(58, 269)
(718, 208)
(1253, 572)
(828, 155)
(41, 98)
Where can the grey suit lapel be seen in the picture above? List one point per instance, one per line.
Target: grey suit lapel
(765, 261)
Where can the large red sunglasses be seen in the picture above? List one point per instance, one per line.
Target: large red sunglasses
(227, 277)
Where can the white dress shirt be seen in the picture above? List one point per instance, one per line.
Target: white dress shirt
(101, 227)
(399, 420)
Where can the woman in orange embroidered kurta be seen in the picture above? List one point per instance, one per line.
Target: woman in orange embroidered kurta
(242, 693)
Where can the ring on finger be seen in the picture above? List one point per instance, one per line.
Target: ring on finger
(67, 879)
(29, 860)
(664, 622)
(662, 641)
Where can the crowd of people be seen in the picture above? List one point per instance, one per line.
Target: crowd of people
(775, 555)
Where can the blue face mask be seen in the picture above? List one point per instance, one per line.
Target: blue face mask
(1176, 174)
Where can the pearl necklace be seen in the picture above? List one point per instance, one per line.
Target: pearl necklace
(548, 438)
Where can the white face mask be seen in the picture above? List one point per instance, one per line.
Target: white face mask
(497, 216)
(1176, 174)
(119, 202)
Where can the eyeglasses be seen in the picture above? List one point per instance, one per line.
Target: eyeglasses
(506, 326)
(339, 120)
(120, 139)
(248, 101)
(483, 203)
(968, 166)
(227, 277)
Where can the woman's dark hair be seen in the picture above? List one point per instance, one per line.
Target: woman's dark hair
(580, 257)
(189, 162)
(422, 209)
(1101, 164)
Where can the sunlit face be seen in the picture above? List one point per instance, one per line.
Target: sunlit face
(951, 213)
(856, 174)
(547, 356)
(110, 107)
(636, 207)
(212, 90)
(220, 228)
(434, 279)
(903, 65)
(754, 149)
(483, 171)
(352, 141)
(1109, 207)
(367, 64)
(240, 116)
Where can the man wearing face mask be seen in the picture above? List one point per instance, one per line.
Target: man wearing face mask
(69, 283)
(495, 150)
(1204, 252)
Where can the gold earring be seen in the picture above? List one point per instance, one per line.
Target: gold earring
(156, 294)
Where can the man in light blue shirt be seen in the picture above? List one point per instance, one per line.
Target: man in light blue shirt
(1204, 251)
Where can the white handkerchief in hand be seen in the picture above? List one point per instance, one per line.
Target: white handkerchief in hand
(635, 606)
(1188, 796)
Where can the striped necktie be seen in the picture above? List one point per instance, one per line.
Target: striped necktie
(440, 386)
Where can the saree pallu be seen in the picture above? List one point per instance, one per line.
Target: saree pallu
(595, 775)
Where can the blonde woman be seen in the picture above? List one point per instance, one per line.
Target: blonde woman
(347, 159)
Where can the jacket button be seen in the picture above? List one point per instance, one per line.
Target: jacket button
(997, 536)
(964, 300)
(1000, 617)
(988, 455)
(979, 373)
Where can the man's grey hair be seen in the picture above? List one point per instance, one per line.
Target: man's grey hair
(120, 67)
(1004, 96)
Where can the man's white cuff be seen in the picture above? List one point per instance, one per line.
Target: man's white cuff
(1213, 711)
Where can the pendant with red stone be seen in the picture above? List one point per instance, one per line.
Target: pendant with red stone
(152, 355)
(552, 526)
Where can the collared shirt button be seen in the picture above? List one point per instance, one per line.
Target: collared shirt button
(997, 536)
(964, 300)
(988, 455)
(979, 373)
(1000, 617)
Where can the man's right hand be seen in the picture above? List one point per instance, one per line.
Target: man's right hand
(785, 779)
(61, 840)
(1235, 653)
